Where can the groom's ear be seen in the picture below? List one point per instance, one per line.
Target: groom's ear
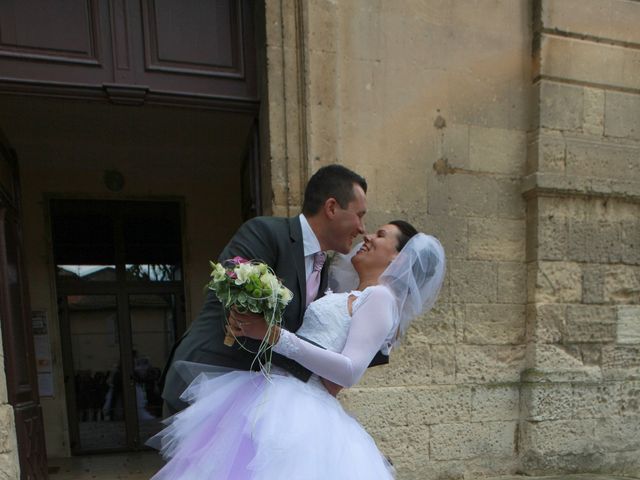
(330, 207)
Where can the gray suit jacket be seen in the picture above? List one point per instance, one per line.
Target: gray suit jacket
(276, 241)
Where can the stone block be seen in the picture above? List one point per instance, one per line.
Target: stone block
(622, 115)
(546, 322)
(438, 195)
(602, 160)
(472, 282)
(599, 400)
(379, 408)
(468, 440)
(438, 326)
(9, 466)
(414, 365)
(618, 433)
(624, 463)
(628, 324)
(594, 111)
(497, 150)
(495, 402)
(420, 467)
(592, 284)
(3, 381)
(512, 282)
(622, 285)
(404, 190)
(548, 401)
(557, 282)
(553, 238)
(451, 231)
(590, 323)
(323, 133)
(627, 397)
(561, 106)
(591, 353)
(490, 99)
(560, 437)
(546, 153)
(594, 242)
(630, 242)
(324, 34)
(472, 195)
(496, 239)
(408, 406)
(489, 363)
(406, 446)
(537, 464)
(559, 363)
(494, 324)
(621, 362)
(7, 429)
(321, 85)
(511, 203)
(455, 145)
(616, 20)
(589, 62)
(364, 93)
(486, 466)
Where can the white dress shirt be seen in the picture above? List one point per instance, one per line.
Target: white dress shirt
(311, 245)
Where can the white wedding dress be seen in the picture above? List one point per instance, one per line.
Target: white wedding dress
(241, 425)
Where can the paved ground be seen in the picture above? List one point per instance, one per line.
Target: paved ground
(141, 466)
(582, 476)
(136, 466)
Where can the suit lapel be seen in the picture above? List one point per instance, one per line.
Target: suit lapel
(297, 246)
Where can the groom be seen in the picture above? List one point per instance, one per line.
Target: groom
(332, 216)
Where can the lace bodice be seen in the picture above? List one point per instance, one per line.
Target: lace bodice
(350, 341)
(327, 321)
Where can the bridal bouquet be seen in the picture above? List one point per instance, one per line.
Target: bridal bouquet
(250, 286)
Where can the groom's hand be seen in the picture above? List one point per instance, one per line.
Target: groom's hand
(332, 388)
(247, 324)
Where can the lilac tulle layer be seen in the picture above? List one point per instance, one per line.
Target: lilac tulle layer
(242, 426)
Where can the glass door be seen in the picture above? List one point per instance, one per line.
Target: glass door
(119, 281)
(94, 373)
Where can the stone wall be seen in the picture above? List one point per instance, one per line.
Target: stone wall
(453, 110)
(581, 388)
(9, 466)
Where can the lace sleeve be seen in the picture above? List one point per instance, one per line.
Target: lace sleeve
(371, 323)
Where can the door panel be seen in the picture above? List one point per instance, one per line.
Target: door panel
(153, 331)
(15, 317)
(126, 50)
(95, 378)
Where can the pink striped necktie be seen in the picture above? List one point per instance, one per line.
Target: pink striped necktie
(313, 282)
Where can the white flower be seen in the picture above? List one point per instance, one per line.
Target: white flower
(243, 272)
(268, 279)
(217, 273)
(285, 294)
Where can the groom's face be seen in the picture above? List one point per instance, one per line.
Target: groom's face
(348, 222)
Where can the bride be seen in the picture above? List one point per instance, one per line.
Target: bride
(244, 425)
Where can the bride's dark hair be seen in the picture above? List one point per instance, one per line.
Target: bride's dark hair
(406, 232)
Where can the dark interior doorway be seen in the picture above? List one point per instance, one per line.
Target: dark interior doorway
(119, 282)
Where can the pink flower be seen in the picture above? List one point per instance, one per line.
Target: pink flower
(238, 260)
(232, 274)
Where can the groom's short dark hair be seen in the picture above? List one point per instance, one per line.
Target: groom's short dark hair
(332, 181)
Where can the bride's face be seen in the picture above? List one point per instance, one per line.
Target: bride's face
(379, 248)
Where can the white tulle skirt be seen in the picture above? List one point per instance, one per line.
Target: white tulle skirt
(242, 426)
